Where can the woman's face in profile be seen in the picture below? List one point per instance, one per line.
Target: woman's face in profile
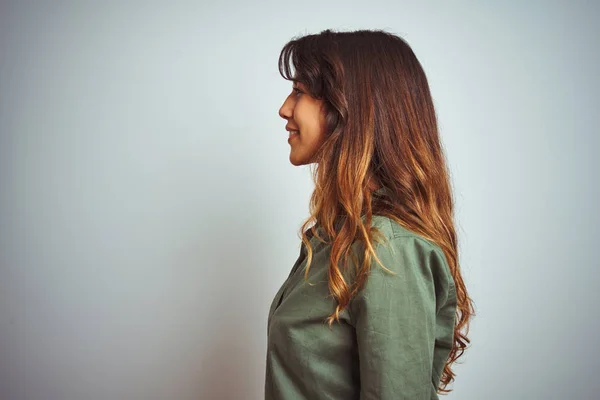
(304, 114)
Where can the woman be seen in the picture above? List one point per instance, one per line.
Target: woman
(375, 306)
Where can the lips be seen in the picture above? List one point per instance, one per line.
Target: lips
(293, 133)
(292, 136)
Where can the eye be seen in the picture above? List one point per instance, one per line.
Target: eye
(297, 91)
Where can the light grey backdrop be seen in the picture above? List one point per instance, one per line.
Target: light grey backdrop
(149, 212)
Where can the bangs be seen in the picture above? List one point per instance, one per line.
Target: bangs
(300, 60)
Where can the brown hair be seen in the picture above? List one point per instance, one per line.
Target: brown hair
(381, 129)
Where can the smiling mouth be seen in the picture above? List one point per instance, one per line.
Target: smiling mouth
(292, 136)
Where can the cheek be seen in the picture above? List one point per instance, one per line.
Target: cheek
(318, 121)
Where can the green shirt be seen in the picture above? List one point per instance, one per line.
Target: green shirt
(392, 341)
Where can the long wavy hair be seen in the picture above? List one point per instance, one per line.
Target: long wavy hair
(381, 132)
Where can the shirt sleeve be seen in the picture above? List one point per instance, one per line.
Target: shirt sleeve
(395, 320)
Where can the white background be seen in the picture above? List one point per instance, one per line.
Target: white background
(149, 212)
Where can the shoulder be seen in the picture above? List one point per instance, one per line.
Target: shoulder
(400, 236)
(411, 259)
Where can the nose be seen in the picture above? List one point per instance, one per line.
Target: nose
(286, 110)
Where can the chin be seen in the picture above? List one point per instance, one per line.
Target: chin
(296, 161)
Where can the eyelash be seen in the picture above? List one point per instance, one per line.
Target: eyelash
(297, 90)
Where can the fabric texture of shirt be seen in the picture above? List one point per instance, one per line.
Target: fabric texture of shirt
(392, 341)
